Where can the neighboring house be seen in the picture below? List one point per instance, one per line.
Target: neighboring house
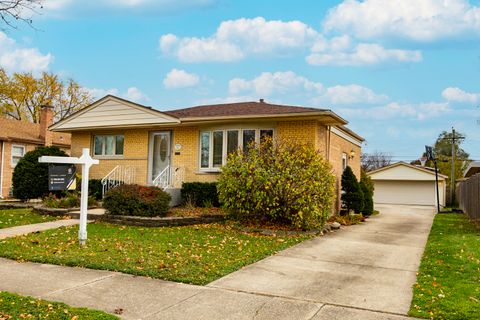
(406, 184)
(149, 147)
(472, 169)
(18, 137)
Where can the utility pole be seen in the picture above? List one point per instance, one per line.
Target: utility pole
(452, 179)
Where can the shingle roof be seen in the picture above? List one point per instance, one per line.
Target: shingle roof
(238, 109)
(16, 130)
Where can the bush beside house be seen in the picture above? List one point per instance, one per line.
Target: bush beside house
(30, 178)
(279, 182)
(352, 195)
(366, 185)
(135, 200)
(200, 194)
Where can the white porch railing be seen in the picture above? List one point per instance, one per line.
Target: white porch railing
(162, 180)
(118, 176)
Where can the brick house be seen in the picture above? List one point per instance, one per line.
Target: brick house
(18, 137)
(142, 145)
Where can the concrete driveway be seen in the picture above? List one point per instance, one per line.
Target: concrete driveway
(366, 267)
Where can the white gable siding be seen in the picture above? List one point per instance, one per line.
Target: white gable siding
(113, 113)
(402, 172)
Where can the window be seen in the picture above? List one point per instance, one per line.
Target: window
(17, 153)
(216, 145)
(344, 161)
(204, 149)
(108, 145)
(248, 138)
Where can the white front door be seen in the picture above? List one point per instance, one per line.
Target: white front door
(160, 154)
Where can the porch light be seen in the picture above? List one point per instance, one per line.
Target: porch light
(352, 154)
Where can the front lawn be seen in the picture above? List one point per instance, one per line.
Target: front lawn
(192, 254)
(19, 217)
(13, 306)
(448, 283)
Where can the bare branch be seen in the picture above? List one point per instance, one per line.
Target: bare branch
(14, 11)
(375, 160)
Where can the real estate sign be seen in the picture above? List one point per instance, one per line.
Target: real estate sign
(61, 177)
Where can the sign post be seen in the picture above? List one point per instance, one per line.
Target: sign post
(86, 161)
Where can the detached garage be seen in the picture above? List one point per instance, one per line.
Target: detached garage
(402, 183)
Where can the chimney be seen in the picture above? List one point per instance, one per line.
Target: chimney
(46, 119)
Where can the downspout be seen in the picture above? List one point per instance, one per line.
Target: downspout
(328, 141)
(1, 170)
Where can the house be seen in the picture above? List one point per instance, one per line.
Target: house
(18, 137)
(142, 145)
(405, 184)
(472, 169)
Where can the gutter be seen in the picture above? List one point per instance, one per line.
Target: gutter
(1, 170)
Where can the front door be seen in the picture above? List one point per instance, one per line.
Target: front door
(159, 161)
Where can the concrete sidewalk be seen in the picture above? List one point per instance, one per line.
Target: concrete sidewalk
(363, 272)
(145, 298)
(29, 228)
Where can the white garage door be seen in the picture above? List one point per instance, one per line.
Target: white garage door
(404, 192)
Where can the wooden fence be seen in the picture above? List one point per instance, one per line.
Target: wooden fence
(468, 195)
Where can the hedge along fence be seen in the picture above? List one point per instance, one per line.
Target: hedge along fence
(468, 195)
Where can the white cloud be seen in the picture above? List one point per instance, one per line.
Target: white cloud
(341, 51)
(180, 79)
(456, 94)
(234, 39)
(15, 58)
(289, 84)
(419, 20)
(132, 94)
(267, 84)
(351, 94)
(395, 110)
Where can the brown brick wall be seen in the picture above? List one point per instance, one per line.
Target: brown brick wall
(187, 161)
(7, 165)
(338, 146)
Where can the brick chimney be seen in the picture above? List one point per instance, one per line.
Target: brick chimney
(46, 119)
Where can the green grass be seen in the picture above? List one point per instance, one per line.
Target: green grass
(13, 306)
(19, 217)
(448, 283)
(193, 254)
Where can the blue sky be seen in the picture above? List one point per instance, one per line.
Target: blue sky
(400, 71)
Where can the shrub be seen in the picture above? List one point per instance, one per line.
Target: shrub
(352, 196)
(135, 200)
(69, 200)
(95, 187)
(279, 182)
(30, 178)
(200, 194)
(366, 186)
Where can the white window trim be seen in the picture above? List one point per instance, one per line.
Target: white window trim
(12, 156)
(211, 168)
(108, 156)
(344, 157)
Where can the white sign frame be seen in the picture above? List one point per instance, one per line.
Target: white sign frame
(86, 161)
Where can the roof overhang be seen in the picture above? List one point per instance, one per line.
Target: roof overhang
(372, 174)
(473, 168)
(113, 112)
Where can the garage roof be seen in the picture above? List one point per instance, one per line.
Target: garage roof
(404, 171)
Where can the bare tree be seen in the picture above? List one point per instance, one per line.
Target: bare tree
(375, 160)
(13, 11)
